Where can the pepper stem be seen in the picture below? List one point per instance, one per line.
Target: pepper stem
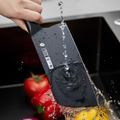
(40, 109)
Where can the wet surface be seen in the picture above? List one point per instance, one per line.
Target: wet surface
(16, 104)
(99, 49)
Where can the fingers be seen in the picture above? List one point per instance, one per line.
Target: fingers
(32, 16)
(34, 6)
(37, 1)
(20, 23)
(29, 11)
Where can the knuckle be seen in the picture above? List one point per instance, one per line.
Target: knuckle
(41, 9)
(41, 20)
(40, 2)
(37, 18)
(17, 12)
(21, 2)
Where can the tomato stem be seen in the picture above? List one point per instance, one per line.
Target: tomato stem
(37, 78)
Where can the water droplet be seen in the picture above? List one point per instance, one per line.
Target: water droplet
(63, 37)
(60, 3)
(20, 68)
(44, 101)
(66, 66)
(118, 102)
(64, 46)
(65, 54)
(63, 33)
(50, 115)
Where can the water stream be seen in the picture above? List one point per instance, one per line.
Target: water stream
(62, 27)
(101, 112)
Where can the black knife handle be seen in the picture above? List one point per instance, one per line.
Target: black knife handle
(32, 27)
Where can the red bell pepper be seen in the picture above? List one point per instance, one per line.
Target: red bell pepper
(47, 107)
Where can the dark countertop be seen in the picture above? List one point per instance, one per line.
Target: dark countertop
(14, 104)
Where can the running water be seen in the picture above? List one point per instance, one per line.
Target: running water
(101, 112)
(62, 27)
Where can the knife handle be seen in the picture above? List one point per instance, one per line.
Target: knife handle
(32, 27)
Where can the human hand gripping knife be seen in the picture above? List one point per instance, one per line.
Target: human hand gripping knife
(72, 87)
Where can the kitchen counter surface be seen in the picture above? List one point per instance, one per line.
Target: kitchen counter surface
(71, 8)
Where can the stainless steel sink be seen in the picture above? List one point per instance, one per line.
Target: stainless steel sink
(97, 45)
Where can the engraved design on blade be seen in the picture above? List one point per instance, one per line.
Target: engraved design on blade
(47, 58)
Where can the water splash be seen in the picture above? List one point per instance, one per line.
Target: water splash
(20, 68)
(101, 112)
(54, 104)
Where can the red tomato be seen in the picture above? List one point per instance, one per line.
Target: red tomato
(35, 84)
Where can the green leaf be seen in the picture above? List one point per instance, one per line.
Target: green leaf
(40, 109)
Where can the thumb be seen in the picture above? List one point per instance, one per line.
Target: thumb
(20, 23)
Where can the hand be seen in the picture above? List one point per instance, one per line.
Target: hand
(19, 10)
